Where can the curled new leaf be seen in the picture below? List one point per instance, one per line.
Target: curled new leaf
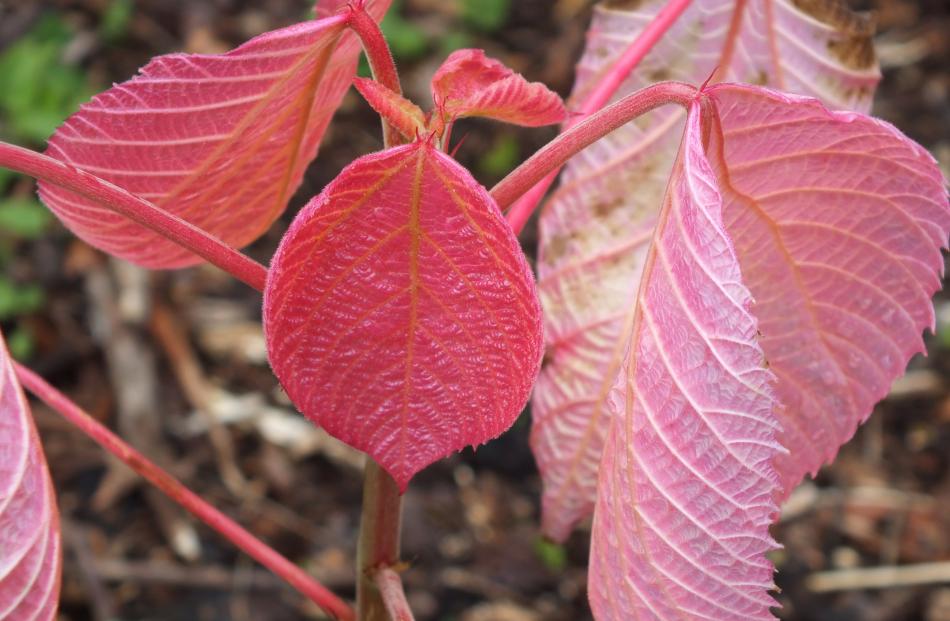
(30, 550)
(470, 84)
(595, 231)
(398, 111)
(686, 488)
(221, 141)
(400, 312)
(838, 221)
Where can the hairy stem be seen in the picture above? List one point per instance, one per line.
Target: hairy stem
(522, 209)
(136, 209)
(378, 546)
(553, 155)
(380, 61)
(174, 489)
(394, 595)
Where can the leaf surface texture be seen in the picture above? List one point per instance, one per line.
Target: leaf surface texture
(686, 487)
(595, 231)
(838, 221)
(221, 141)
(400, 312)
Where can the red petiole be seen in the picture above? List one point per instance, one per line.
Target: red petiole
(550, 157)
(194, 504)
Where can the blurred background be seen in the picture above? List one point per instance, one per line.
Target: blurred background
(176, 362)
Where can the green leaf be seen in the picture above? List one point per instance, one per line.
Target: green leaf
(486, 15)
(406, 40)
(553, 555)
(501, 158)
(21, 344)
(37, 89)
(115, 19)
(22, 217)
(454, 40)
(18, 299)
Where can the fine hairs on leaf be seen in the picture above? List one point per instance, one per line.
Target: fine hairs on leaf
(398, 304)
(726, 292)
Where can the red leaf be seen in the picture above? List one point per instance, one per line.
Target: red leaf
(470, 84)
(400, 312)
(220, 141)
(686, 490)
(30, 556)
(838, 220)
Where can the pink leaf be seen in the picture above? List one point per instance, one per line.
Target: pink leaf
(400, 312)
(326, 8)
(595, 231)
(220, 141)
(686, 487)
(401, 113)
(838, 220)
(470, 84)
(30, 555)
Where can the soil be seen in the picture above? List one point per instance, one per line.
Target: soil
(471, 537)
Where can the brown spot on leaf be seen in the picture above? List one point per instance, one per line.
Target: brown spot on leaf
(622, 5)
(603, 208)
(854, 52)
(555, 249)
(852, 46)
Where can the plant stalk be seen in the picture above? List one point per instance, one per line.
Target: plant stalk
(394, 595)
(194, 504)
(136, 209)
(553, 155)
(381, 518)
(522, 209)
(378, 547)
(380, 60)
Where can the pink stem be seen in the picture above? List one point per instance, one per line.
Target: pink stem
(380, 60)
(604, 90)
(174, 489)
(632, 56)
(390, 588)
(136, 209)
(550, 157)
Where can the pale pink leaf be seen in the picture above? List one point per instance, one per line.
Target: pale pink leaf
(221, 141)
(595, 230)
(838, 221)
(326, 8)
(470, 84)
(400, 312)
(685, 496)
(30, 548)
(395, 109)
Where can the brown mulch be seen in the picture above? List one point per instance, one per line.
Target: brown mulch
(470, 525)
